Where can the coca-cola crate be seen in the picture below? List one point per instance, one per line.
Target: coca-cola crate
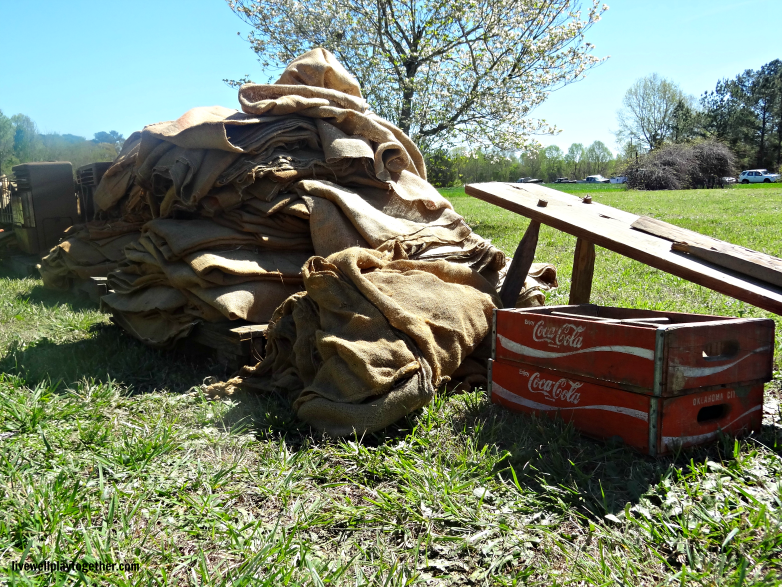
(653, 425)
(658, 353)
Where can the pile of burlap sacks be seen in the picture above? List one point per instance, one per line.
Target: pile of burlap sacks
(308, 211)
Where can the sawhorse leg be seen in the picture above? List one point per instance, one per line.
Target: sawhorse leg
(583, 271)
(519, 267)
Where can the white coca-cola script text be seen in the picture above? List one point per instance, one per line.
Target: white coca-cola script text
(568, 335)
(564, 389)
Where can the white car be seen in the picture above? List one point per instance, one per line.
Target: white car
(758, 176)
(594, 179)
(619, 179)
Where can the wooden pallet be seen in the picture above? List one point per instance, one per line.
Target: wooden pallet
(92, 287)
(233, 344)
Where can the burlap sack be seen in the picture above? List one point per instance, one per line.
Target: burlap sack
(116, 181)
(233, 203)
(88, 250)
(372, 338)
(334, 96)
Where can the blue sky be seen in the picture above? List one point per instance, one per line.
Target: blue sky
(84, 66)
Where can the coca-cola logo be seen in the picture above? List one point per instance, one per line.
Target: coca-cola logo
(564, 389)
(568, 335)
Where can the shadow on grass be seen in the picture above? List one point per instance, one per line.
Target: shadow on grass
(52, 298)
(7, 272)
(271, 417)
(595, 478)
(109, 354)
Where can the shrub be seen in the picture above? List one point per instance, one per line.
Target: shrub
(682, 166)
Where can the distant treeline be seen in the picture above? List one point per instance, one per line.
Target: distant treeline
(458, 167)
(746, 114)
(738, 126)
(20, 142)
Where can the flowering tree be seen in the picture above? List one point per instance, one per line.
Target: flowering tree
(444, 71)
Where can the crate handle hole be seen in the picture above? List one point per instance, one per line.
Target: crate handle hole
(721, 350)
(711, 413)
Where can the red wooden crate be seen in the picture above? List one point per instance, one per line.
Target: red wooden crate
(615, 347)
(650, 424)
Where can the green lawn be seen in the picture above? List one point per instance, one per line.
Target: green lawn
(110, 452)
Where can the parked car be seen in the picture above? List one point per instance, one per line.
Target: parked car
(618, 179)
(528, 180)
(758, 176)
(728, 179)
(595, 179)
(564, 180)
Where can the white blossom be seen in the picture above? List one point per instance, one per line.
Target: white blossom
(445, 72)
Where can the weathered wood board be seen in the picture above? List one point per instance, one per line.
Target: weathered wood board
(234, 345)
(93, 287)
(611, 228)
(752, 263)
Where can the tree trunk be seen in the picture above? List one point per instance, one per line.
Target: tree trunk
(779, 132)
(411, 64)
(763, 123)
(406, 112)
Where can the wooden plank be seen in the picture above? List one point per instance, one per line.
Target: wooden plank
(233, 344)
(94, 287)
(742, 264)
(672, 232)
(249, 331)
(725, 254)
(519, 267)
(583, 271)
(610, 228)
(255, 336)
(218, 335)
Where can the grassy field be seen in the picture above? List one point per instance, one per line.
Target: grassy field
(109, 452)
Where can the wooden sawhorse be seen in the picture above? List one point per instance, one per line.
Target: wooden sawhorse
(743, 274)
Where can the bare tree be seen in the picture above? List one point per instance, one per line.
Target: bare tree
(445, 72)
(650, 110)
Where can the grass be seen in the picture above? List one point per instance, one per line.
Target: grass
(110, 452)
